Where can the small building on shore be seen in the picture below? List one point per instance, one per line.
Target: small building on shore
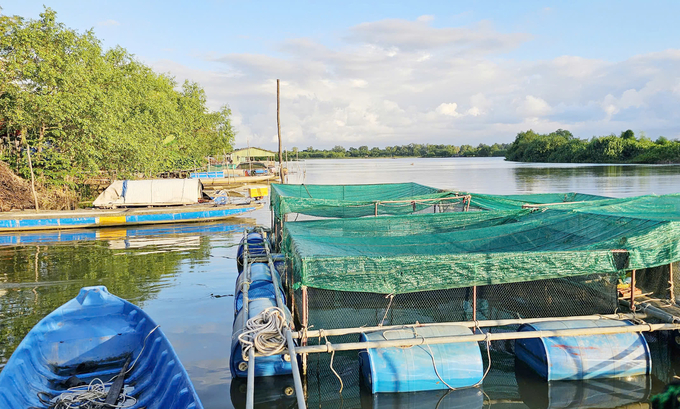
(251, 154)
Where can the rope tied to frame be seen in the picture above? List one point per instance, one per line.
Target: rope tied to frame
(434, 363)
(391, 297)
(265, 333)
(329, 348)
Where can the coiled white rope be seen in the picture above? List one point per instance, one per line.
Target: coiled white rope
(264, 332)
(92, 396)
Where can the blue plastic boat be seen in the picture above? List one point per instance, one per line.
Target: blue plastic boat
(93, 337)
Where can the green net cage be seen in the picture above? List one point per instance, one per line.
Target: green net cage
(563, 258)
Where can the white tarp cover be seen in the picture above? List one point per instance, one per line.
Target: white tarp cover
(150, 192)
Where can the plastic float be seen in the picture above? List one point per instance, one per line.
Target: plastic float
(585, 356)
(421, 367)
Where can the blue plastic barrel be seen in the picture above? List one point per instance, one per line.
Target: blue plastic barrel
(255, 249)
(266, 365)
(261, 285)
(587, 356)
(411, 369)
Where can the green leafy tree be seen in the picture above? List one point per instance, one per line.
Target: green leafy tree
(81, 110)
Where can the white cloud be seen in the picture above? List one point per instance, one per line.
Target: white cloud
(448, 109)
(414, 35)
(426, 18)
(394, 82)
(109, 22)
(533, 107)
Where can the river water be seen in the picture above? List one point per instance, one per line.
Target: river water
(184, 275)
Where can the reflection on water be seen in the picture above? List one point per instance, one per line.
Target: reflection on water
(272, 392)
(142, 235)
(496, 176)
(592, 393)
(174, 272)
(37, 278)
(472, 398)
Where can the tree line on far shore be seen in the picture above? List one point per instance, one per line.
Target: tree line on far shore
(562, 147)
(556, 147)
(401, 151)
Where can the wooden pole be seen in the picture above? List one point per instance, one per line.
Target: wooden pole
(632, 291)
(278, 125)
(305, 323)
(671, 282)
(30, 166)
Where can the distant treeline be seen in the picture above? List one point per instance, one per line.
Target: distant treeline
(556, 147)
(562, 147)
(411, 150)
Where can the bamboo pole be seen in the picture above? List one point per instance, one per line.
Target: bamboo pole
(501, 336)
(469, 324)
(278, 125)
(654, 312)
(30, 167)
(532, 206)
(304, 322)
(671, 282)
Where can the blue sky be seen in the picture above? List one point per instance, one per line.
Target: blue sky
(382, 73)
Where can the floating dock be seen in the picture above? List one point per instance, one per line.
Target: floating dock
(420, 283)
(79, 219)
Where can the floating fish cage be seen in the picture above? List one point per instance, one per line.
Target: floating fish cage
(424, 283)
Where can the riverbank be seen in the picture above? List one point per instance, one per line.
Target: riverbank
(16, 193)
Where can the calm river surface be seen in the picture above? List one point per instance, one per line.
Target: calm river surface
(183, 276)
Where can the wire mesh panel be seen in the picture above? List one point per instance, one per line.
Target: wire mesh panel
(559, 297)
(582, 295)
(656, 282)
(341, 309)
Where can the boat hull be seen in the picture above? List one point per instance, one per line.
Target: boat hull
(25, 221)
(91, 337)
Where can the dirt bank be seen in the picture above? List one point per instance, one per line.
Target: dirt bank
(15, 193)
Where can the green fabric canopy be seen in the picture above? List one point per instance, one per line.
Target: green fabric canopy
(401, 254)
(347, 201)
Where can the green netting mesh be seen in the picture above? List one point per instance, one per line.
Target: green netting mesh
(346, 201)
(509, 202)
(402, 254)
(355, 200)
